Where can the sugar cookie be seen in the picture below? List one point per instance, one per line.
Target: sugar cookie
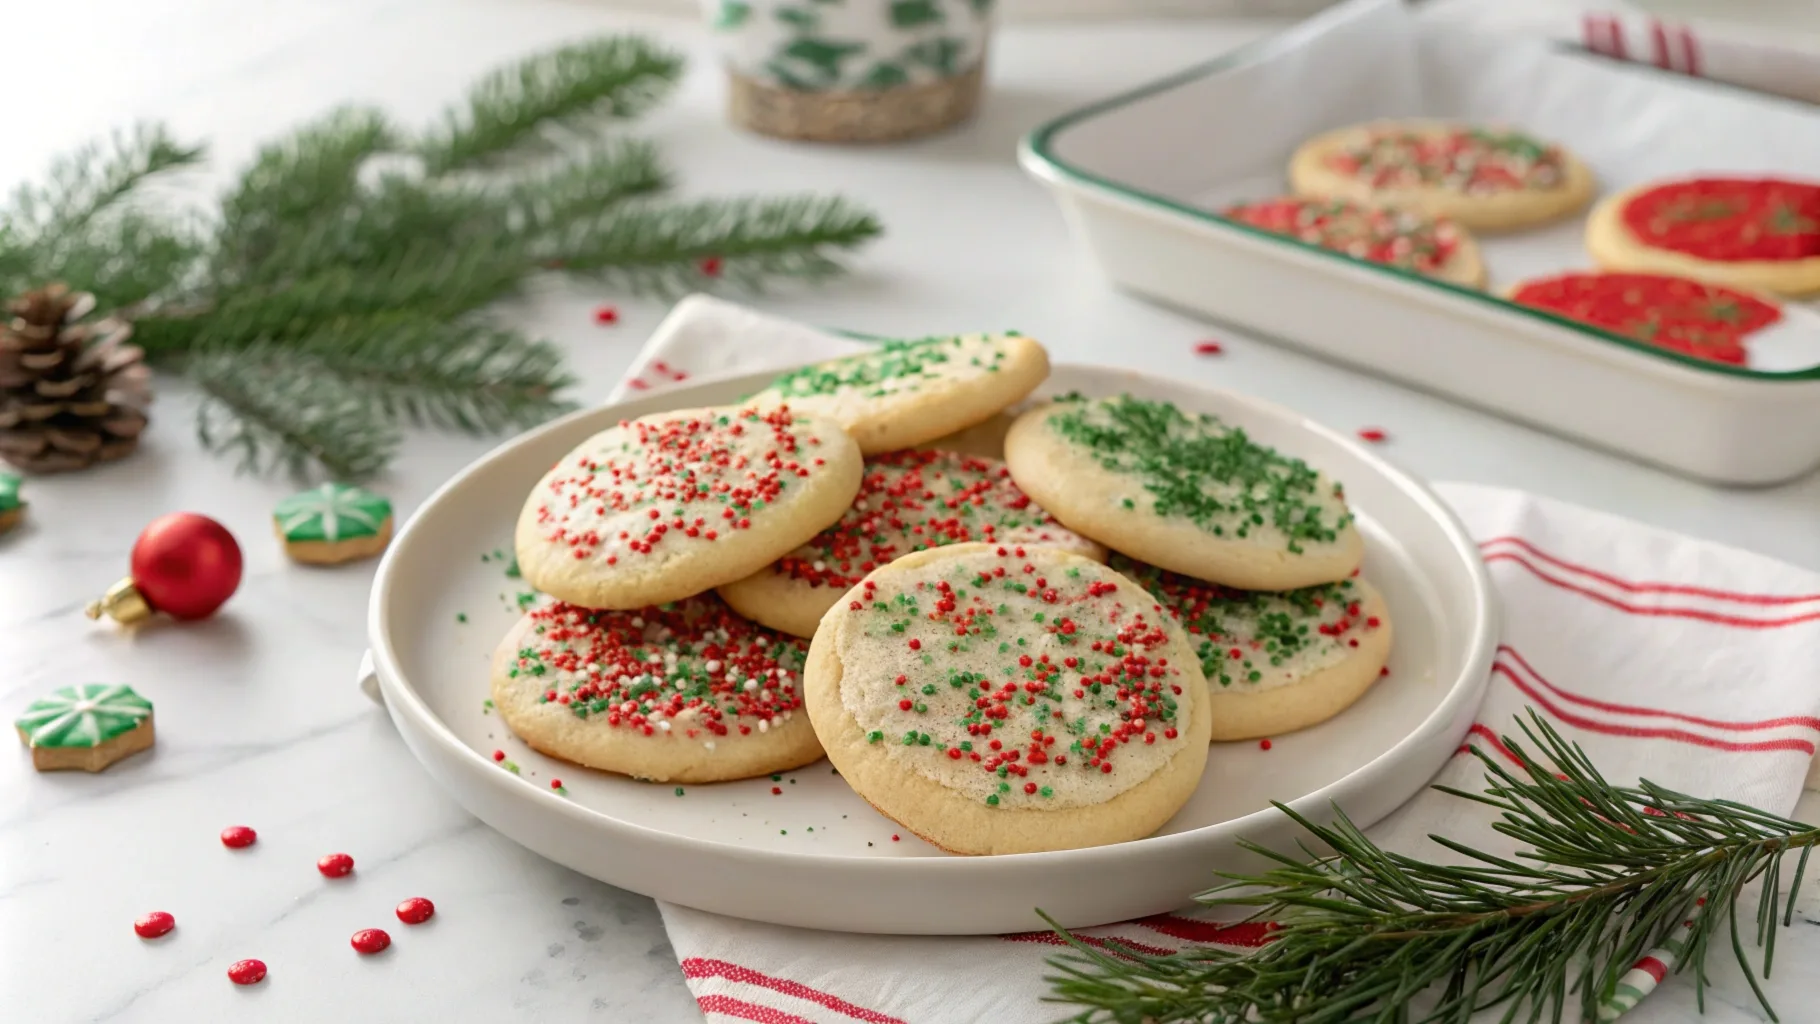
(908, 501)
(1275, 662)
(333, 523)
(674, 504)
(985, 439)
(1184, 491)
(908, 393)
(1757, 233)
(1405, 239)
(685, 692)
(87, 726)
(1486, 179)
(1706, 321)
(997, 699)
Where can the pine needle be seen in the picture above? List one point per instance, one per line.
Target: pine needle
(1609, 873)
(671, 248)
(510, 111)
(276, 409)
(89, 182)
(586, 184)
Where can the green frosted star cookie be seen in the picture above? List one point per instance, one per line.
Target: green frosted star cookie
(87, 726)
(11, 508)
(333, 523)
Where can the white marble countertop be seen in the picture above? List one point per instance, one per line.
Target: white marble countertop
(259, 721)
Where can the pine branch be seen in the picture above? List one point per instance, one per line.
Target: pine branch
(665, 249)
(585, 185)
(278, 410)
(304, 177)
(511, 110)
(92, 180)
(1610, 872)
(465, 375)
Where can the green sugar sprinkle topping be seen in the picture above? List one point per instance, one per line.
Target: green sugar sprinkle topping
(893, 367)
(1195, 467)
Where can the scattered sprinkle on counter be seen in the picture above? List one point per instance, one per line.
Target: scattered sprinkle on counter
(368, 941)
(335, 865)
(238, 837)
(416, 910)
(1372, 434)
(606, 315)
(1209, 348)
(154, 924)
(246, 972)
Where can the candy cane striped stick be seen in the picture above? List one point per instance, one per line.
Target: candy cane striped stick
(1647, 973)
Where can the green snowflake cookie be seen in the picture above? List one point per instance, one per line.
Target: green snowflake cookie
(86, 715)
(332, 512)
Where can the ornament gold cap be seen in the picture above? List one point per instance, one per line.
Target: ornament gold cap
(123, 603)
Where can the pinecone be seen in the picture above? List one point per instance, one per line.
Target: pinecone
(71, 394)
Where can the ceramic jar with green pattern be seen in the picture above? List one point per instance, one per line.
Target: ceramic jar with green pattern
(852, 70)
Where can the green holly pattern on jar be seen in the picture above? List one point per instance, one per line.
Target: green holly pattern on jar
(851, 45)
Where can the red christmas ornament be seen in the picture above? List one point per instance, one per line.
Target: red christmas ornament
(183, 565)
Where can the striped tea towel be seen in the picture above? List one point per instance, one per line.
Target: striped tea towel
(1694, 665)
(1777, 53)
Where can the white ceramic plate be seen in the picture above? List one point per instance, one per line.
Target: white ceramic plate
(815, 855)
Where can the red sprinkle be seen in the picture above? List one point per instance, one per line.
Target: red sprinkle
(499, 755)
(1264, 744)
(368, 941)
(246, 972)
(1209, 348)
(236, 837)
(416, 910)
(606, 315)
(335, 865)
(894, 837)
(1372, 434)
(777, 791)
(711, 266)
(555, 783)
(154, 924)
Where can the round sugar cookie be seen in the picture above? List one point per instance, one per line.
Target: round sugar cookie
(1695, 318)
(998, 699)
(908, 501)
(1755, 233)
(684, 692)
(985, 439)
(667, 506)
(1184, 491)
(1484, 178)
(904, 394)
(1405, 239)
(1275, 662)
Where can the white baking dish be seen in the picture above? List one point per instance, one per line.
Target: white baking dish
(1138, 177)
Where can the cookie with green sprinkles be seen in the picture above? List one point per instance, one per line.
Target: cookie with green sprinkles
(1275, 662)
(680, 693)
(907, 393)
(12, 508)
(675, 504)
(1484, 178)
(87, 726)
(1185, 491)
(333, 523)
(908, 501)
(1009, 699)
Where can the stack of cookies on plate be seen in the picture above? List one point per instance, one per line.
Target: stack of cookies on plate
(1002, 656)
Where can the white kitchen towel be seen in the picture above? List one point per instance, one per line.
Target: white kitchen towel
(1769, 47)
(1665, 657)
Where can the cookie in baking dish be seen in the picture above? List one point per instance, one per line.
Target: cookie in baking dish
(1761, 234)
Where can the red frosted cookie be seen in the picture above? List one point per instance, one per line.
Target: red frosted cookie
(1758, 233)
(1706, 321)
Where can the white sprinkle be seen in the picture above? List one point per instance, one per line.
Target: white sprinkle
(655, 659)
(763, 725)
(750, 685)
(665, 726)
(628, 707)
(708, 745)
(820, 566)
(638, 622)
(712, 666)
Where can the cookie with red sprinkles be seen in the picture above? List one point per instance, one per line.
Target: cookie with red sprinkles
(1275, 662)
(1010, 699)
(1755, 233)
(1482, 177)
(907, 393)
(1184, 490)
(908, 501)
(671, 505)
(1406, 239)
(681, 692)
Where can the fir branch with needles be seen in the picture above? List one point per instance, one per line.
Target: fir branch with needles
(1364, 934)
(344, 284)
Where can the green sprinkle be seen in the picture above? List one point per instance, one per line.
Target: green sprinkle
(679, 791)
(461, 616)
